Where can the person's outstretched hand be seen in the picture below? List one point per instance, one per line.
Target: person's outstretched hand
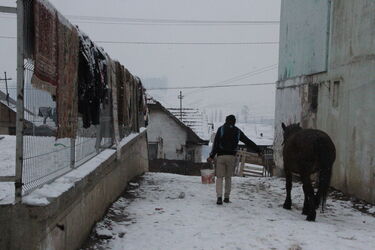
(210, 160)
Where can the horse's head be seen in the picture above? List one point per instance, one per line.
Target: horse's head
(290, 129)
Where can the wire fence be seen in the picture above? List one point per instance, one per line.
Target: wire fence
(77, 101)
(45, 157)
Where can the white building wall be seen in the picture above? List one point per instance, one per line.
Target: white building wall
(303, 37)
(174, 137)
(290, 95)
(346, 113)
(352, 121)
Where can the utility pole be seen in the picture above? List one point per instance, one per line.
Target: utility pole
(6, 86)
(181, 97)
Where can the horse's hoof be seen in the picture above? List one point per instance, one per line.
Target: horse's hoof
(311, 217)
(287, 206)
(305, 212)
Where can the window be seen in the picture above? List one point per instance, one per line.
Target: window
(335, 94)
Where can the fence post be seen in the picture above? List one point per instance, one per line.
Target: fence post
(72, 152)
(20, 100)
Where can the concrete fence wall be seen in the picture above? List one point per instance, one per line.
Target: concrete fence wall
(66, 221)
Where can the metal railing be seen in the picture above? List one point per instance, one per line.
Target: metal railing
(41, 155)
(44, 157)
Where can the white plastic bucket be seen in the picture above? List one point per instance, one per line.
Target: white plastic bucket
(208, 176)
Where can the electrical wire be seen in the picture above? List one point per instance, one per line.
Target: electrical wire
(148, 21)
(240, 77)
(171, 43)
(170, 21)
(186, 43)
(214, 86)
(248, 74)
(8, 37)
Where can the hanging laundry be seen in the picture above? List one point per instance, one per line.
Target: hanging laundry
(142, 105)
(131, 102)
(46, 61)
(126, 99)
(120, 94)
(112, 82)
(90, 84)
(66, 96)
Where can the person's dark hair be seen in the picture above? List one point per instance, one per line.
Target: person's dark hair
(230, 119)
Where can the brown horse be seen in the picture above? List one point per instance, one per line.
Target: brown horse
(307, 151)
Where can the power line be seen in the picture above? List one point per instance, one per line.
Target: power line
(139, 21)
(214, 86)
(8, 37)
(186, 43)
(171, 21)
(171, 43)
(242, 76)
(248, 74)
(161, 21)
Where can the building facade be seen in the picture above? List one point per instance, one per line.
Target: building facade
(171, 139)
(327, 81)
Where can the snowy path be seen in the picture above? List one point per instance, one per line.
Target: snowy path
(178, 212)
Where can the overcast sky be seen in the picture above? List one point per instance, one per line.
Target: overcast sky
(182, 65)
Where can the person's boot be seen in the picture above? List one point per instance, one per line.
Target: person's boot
(226, 200)
(219, 201)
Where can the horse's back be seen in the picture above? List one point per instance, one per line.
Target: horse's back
(310, 145)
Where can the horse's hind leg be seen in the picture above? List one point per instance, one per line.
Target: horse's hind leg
(288, 199)
(310, 197)
(305, 209)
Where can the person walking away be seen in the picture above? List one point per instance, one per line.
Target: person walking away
(225, 147)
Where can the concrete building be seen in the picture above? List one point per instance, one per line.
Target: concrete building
(326, 81)
(169, 138)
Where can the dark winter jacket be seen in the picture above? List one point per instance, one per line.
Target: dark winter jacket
(226, 141)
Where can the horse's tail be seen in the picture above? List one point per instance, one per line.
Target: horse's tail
(326, 159)
(324, 183)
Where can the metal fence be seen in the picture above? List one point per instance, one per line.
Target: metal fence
(44, 157)
(42, 153)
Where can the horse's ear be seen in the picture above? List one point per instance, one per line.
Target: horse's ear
(283, 126)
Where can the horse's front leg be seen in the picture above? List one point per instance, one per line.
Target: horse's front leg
(309, 195)
(288, 185)
(305, 209)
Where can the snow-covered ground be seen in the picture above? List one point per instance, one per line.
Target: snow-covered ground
(178, 212)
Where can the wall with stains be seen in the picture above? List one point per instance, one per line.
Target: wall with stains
(346, 98)
(174, 136)
(303, 37)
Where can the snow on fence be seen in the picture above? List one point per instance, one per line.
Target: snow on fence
(44, 156)
(73, 100)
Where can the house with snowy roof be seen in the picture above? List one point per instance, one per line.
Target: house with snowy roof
(33, 124)
(169, 138)
(7, 114)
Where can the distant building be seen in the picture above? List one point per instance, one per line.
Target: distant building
(326, 81)
(7, 115)
(194, 119)
(171, 139)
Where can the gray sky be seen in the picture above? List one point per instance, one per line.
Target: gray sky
(183, 65)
